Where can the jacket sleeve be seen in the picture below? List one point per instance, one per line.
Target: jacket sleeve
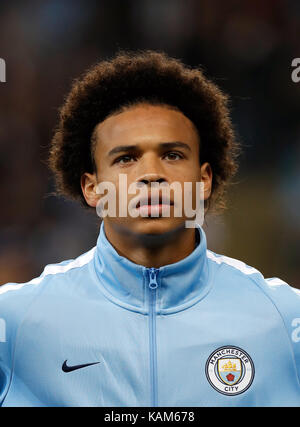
(287, 300)
(15, 300)
(7, 336)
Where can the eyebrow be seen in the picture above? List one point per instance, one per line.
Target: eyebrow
(170, 145)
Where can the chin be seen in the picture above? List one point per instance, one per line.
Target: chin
(142, 226)
(156, 225)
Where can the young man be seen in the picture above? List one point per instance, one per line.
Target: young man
(149, 316)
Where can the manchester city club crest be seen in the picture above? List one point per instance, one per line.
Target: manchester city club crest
(230, 370)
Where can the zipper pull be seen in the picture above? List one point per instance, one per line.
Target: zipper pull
(153, 281)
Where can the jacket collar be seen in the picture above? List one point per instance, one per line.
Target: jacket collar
(180, 284)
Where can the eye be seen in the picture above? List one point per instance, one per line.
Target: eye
(173, 153)
(118, 160)
(127, 157)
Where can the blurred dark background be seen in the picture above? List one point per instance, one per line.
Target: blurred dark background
(246, 47)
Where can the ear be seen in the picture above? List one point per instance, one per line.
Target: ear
(206, 178)
(89, 184)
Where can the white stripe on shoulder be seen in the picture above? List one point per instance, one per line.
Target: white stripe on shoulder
(52, 269)
(297, 291)
(239, 265)
(275, 281)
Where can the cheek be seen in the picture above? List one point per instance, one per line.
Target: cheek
(192, 174)
(108, 174)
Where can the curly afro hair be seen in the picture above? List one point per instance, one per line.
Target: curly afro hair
(130, 78)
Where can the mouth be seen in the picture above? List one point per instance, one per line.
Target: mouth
(159, 206)
(146, 202)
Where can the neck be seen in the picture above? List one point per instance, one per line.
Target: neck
(152, 250)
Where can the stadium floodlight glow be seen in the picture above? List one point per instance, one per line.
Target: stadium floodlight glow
(156, 191)
(2, 71)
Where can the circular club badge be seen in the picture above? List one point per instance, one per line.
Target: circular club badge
(230, 370)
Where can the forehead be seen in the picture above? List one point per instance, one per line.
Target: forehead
(145, 123)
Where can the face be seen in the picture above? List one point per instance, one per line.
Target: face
(149, 144)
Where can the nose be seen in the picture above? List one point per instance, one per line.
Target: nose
(152, 177)
(150, 170)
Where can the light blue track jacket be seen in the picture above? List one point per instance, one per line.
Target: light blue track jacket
(101, 330)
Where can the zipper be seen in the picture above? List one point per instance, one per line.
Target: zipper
(152, 285)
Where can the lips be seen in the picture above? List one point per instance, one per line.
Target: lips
(146, 201)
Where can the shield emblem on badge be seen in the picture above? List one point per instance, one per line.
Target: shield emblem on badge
(229, 370)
